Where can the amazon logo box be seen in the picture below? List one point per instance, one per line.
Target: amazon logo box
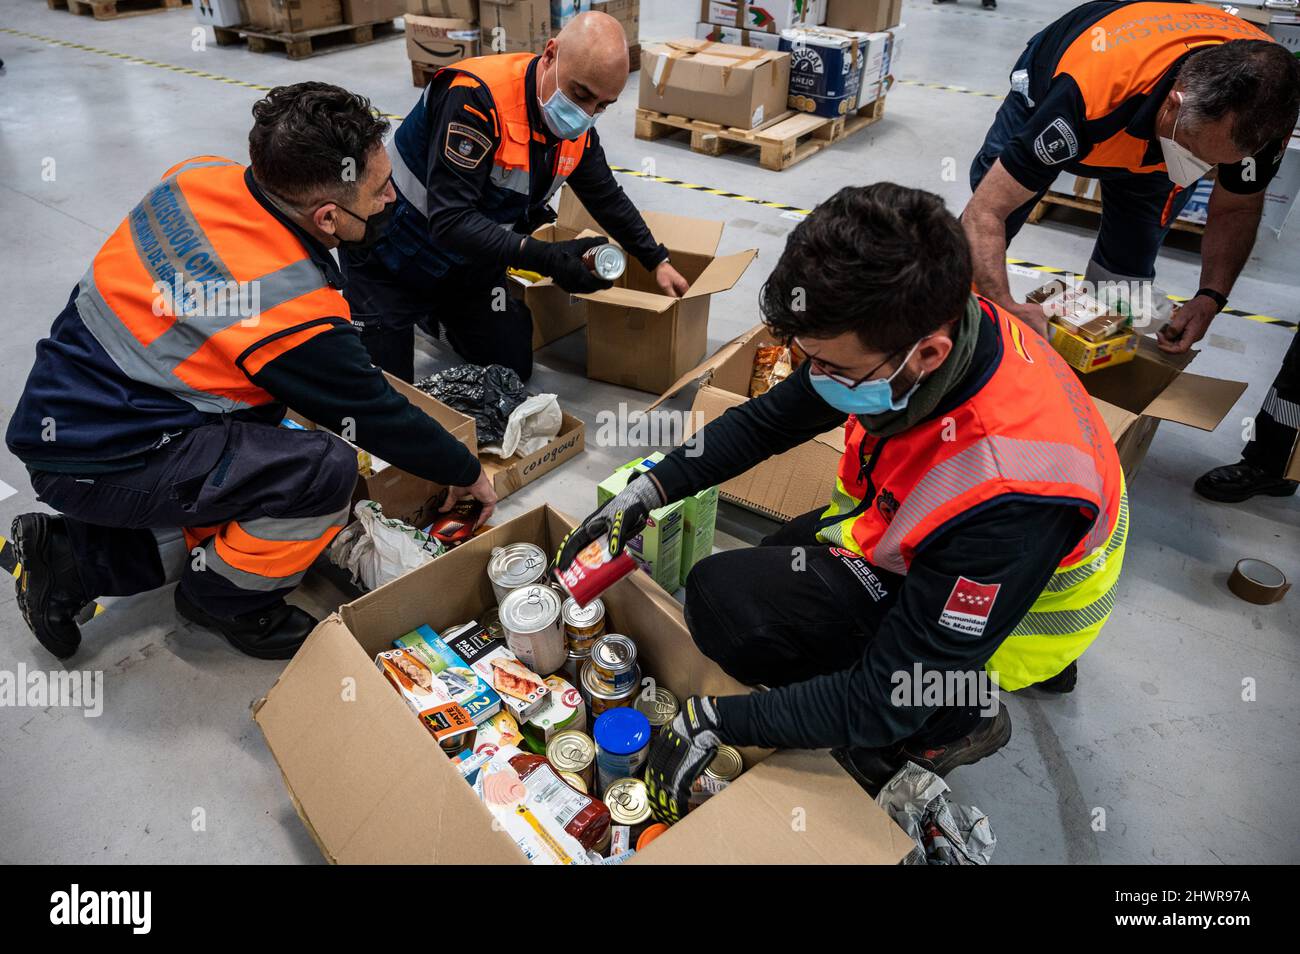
(354, 758)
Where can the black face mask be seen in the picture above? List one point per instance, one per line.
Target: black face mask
(376, 227)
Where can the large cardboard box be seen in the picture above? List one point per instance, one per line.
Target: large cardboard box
(294, 16)
(445, 9)
(354, 761)
(720, 83)
(515, 26)
(737, 37)
(372, 11)
(440, 41)
(869, 16)
(641, 338)
(769, 16)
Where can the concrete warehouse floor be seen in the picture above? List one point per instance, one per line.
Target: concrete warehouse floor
(1156, 734)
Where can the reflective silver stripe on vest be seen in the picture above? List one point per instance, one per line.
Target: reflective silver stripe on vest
(995, 457)
(1067, 622)
(202, 164)
(168, 238)
(1073, 577)
(408, 182)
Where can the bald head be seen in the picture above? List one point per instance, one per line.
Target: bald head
(591, 52)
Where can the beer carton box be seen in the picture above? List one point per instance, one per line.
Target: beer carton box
(657, 548)
(827, 67)
(392, 765)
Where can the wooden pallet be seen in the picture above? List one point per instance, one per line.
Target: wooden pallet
(781, 141)
(1088, 204)
(299, 46)
(634, 57)
(114, 9)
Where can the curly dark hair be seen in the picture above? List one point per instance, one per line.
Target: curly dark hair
(303, 137)
(884, 261)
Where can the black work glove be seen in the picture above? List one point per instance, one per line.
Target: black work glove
(622, 518)
(562, 262)
(682, 751)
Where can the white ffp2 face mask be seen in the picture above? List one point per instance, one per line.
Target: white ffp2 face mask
(1184, 168)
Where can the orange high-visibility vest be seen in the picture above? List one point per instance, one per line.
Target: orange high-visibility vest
(248, 290)
(1127, 52)
(504, 77)
(1030, 430)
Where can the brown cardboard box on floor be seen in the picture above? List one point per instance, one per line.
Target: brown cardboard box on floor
(372, 11)
(641, 338)
(445, 9)
(868, 16)
(782, 487)
(352, 763)
(739, 86)
(515, 26)
(294, 16)
(440, 41)
(1136, 396)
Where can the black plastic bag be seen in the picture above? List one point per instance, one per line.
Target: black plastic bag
(488, 394)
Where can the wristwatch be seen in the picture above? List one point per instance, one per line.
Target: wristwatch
(1220, 301)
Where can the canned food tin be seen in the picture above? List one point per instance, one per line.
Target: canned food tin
(607, 261)
(490, 620)
(622, 738)
(659, 705)
(531, 618)
(613, 657)
(516, 565)
(575, 752)
(575, 782)
(583, 625)
(599, 697)
(573, 665)
(593, 571)
(629, 804)
(724, 769)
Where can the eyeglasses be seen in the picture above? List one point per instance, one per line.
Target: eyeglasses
(850, 383)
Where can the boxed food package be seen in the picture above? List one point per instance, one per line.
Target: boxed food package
(293, 16)
(427, 696)
(564, 709)
(515, 26)
(1087, 355)
(657, 548)
(769, 16)
(699, 517)
(869, 16)
(446, 9)
(439, 41)
(372, 11)
(736, 86)
(737, 37)
(826, 69)
(392, 766)
(465, 686)
(523, 693)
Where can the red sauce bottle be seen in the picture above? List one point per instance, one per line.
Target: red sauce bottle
(585, 818)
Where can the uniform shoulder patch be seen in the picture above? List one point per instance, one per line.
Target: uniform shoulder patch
(466, 146)
(969, 605)
(1057, 143)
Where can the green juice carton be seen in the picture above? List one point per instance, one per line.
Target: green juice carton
(658, 548)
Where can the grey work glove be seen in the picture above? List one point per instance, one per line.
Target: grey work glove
(681, 752)
(621, 519)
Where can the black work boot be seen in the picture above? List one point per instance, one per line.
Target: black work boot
(870, 768)
(987, 737)
(48, 587)
(272, 633)
(1063, 682)
(1233, 483)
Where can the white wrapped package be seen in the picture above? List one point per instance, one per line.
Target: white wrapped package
(532, 425)
(376, 549)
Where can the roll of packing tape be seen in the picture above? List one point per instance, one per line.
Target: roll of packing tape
(1258, 582)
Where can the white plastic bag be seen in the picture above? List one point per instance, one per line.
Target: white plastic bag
(532, 425)
(376, 549)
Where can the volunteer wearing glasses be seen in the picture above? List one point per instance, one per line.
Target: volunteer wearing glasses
(977, 522)
(476, 163)
(1147, 98)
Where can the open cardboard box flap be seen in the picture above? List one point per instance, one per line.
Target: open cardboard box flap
(721, 273)
(704, 370)
(631, 298)
(681, 233)
(1196, 400)
(372, 786)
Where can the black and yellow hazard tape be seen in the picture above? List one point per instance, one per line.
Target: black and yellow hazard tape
(9, 564)
(622, 170)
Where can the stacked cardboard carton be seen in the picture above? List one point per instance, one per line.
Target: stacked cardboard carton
(448, 36)
(294, 16)
(515, 26)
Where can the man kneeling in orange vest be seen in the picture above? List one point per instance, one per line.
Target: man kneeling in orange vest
(975, 533)
(155, 402)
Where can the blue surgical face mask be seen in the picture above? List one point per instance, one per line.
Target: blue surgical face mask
(867, 398)
(563, 116)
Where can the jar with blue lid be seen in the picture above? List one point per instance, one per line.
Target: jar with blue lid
(622, 738)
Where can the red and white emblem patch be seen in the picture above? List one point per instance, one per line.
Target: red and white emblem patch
(968, 607)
